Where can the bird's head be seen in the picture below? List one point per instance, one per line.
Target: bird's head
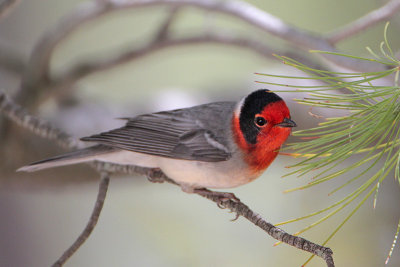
(261, 124)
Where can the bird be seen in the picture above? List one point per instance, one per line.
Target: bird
(216, 145)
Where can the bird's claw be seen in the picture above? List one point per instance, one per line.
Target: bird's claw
(155, 175)
(221, 197)
(224, 197)
(236, 217)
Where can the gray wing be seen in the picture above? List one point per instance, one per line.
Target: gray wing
(197, 133)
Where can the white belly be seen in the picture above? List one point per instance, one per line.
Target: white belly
(187, 173)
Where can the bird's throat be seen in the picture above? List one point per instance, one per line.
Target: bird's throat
(260, 160)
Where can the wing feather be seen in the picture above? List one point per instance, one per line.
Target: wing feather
(176, 134)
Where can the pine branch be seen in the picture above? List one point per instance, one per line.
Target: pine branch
(369, 133)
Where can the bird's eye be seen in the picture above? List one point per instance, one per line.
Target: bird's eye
(260, 121)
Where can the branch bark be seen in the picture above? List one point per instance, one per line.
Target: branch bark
(240, 209)
(275, 232)
(38, 126)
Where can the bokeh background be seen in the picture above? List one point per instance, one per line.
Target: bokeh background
(145, 224)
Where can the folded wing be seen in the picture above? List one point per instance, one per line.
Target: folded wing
(176, 134)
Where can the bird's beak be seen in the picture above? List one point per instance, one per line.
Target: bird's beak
(287, 123)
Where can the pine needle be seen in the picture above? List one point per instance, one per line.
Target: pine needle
(368, 135)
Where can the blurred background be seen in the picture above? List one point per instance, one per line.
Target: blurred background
(145, 224)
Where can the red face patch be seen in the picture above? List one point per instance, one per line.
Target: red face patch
(269, 139)
(275, 112)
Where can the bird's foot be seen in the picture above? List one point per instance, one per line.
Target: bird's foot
(155, 175)
(221, 197)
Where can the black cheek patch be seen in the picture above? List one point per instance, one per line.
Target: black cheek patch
(250, 132)
(254, 104)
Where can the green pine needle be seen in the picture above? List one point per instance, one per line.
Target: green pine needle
(369, 133)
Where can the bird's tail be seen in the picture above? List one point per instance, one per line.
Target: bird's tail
(78, 156)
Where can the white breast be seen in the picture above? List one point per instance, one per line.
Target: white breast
(189, 174)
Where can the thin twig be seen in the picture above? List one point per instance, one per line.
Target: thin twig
(383, 13)
(163, 32)
(101, 195)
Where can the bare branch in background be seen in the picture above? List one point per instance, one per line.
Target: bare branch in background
(86, 68)
(381, 14)
(37, 73)
(6, 6)
(36, 125)
(101, 196)
(163, 32)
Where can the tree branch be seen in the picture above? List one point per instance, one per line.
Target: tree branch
(101, 195)
(275, 232)
(240, 209)
(383, 13)
(34, 124)
(163, 32)
(37, 73)
(30, 96)
(86, 68)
